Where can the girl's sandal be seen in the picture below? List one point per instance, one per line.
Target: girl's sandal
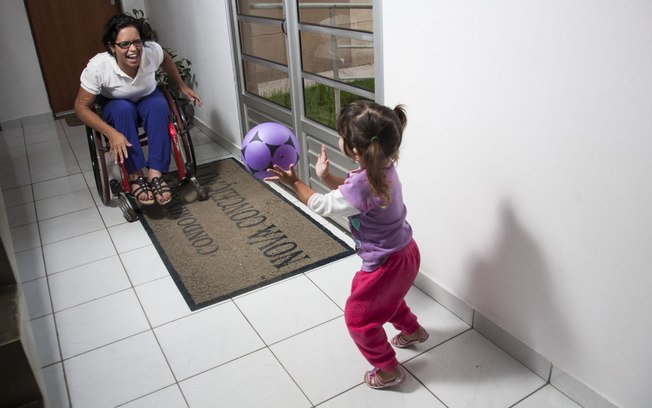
(141, 191)
(158, 188)
(372, 379)
(400, 341)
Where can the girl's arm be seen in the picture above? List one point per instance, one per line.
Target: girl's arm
(326, 205)
(290, 178)
(331, 204)
(171, 69)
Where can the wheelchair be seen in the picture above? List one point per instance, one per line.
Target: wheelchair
(113, 181)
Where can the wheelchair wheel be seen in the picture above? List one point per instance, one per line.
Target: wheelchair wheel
(98, 162)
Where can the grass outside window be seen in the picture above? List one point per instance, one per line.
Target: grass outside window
(320, 100)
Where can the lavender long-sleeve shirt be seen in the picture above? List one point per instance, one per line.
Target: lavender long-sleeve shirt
(377, 231)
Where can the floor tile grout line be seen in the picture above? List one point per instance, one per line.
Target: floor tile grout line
(66, 193)
(69, 213)
(112, 342)
(176, 384)
(249, 322)
(528, 395)
(423, 384)
(312, 404)
(430, 348)
(160, 347)
(306, 330)
(90, 300)
(77, 266)
(338, 394)
(322, 291)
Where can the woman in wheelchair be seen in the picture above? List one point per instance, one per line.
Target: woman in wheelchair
(122, 80)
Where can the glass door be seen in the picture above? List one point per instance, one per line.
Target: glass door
(299, 62)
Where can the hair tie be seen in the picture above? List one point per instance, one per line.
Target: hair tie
(373, 139)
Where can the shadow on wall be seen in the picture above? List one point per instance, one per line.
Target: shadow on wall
(512, 286)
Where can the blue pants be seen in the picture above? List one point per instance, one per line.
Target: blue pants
(153, 111)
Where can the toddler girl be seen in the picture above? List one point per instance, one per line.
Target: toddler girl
(371, 197)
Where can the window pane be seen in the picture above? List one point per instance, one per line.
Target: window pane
(268, 83)
(263, 41)
(323, 102)
(343, 59)
(268, 8)
(348, 14)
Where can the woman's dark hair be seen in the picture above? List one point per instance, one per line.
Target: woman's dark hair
(117, 23)
(375, 132)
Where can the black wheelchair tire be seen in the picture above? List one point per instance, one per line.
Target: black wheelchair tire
(98, 164)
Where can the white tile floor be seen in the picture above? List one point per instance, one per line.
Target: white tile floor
(112, 329)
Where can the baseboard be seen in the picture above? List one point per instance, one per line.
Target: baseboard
(577, 391)
(456, 306)
(36, 119)
(512, 346)
(10, 124)
(218, 138)
(540, 365)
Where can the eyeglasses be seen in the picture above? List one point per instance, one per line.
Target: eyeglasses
(126, 44)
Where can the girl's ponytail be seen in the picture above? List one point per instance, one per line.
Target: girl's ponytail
(376, 161)
(399, 110)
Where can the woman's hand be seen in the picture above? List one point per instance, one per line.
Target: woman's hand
(192, 96)
(322, 165)
(118, 147)
(170, 68)
(288, 177)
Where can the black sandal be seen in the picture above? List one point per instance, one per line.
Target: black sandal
(143, 188)
(159, 189)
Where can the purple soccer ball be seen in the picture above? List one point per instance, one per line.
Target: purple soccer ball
(267, 144)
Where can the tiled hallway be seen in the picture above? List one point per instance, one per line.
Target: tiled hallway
(113, 330)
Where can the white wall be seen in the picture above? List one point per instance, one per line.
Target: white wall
(526, 167)
(199, 30)
(21, 82)
(129, 5)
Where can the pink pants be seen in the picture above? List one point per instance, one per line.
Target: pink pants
(377, 298)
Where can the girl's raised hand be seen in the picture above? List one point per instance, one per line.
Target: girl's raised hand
(282, 176)
(321, 167)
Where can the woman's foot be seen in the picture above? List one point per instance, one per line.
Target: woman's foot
(161, 190)
(403, 340)
(140, 189)
(378, 378)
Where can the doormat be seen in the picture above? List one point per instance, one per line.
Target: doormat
(245, 236)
